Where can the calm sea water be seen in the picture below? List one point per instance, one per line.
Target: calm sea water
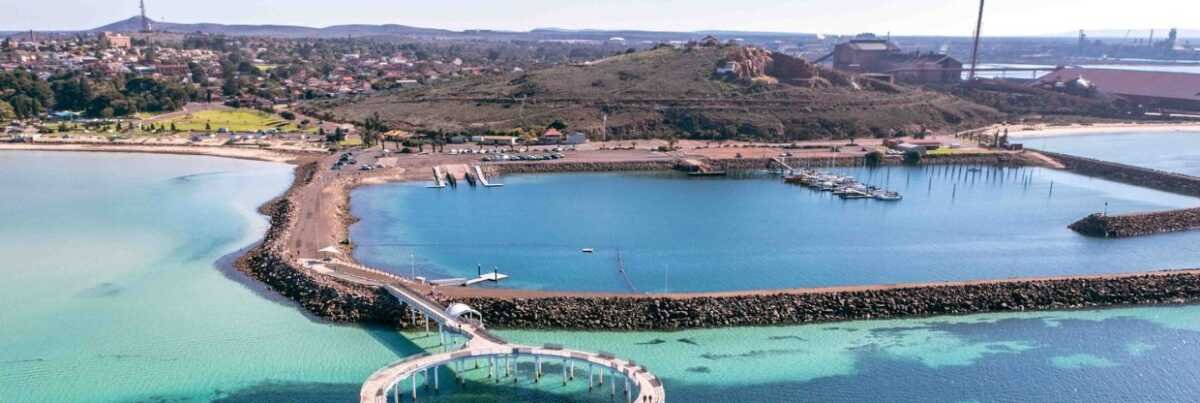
(1174, 151)
(111, 290)
(669, 232)
(1125, 355)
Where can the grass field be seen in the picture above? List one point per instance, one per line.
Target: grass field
(235, 120)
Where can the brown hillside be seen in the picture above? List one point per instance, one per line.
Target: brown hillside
(675, 92)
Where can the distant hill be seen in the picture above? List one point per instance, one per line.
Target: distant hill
(668, 91)
(133, 24)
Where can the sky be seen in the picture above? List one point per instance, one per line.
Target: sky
(900, 17)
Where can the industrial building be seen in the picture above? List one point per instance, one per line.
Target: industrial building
(1151, 89)
(868, 54)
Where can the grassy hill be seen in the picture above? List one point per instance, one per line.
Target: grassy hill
(669, 92)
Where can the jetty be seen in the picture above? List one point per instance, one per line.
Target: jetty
(483, 178)
(783, 166)
(464, 340)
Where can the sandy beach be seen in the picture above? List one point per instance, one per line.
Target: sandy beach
(1039, 131)
(227, 152)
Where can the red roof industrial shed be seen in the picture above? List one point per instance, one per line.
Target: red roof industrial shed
(1166, 88)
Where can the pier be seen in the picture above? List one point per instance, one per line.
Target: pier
(452, 174)
(498, 356)
(465, 339)
(438, 178)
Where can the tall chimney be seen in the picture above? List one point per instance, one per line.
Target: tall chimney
(975, 51)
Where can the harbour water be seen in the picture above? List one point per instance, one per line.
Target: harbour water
(673, 233)
(1168, 151)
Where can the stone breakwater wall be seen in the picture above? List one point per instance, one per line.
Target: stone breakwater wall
(1145, 177)
(745, 164)
(1138, 224)
(669, 313)
(320, 295)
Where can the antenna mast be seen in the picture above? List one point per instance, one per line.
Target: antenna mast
(145, 21)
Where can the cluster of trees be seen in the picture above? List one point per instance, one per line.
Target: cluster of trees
(23, 95)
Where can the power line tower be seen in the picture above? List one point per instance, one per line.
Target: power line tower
(145, 21)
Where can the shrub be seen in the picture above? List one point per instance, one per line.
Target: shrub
(912, 157)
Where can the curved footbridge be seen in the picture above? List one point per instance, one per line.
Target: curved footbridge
(408, 377)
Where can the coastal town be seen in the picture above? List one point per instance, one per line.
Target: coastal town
(401, 213)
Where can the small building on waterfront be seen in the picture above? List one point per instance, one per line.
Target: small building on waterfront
(552, 136)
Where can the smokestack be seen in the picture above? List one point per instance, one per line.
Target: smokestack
(975, 51)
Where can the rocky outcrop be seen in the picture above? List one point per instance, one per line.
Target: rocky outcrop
(663, 313)
(748, 63)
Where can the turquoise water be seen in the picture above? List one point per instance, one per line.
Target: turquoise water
(1122, 355)
(680, 234)
(112, 291)
(1174, 152)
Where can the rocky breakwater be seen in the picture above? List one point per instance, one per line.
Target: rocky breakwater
(787, 308)
(320, 295)
(1131, 225)
(1149, 178)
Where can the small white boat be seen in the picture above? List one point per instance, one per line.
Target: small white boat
(587, 250)
(887, 196)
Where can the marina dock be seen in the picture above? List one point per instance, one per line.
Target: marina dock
(465, 282)
(843, 186)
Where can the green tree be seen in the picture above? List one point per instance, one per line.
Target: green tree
(6, 111)
(557, 125)
(373, 130)
(873, 158)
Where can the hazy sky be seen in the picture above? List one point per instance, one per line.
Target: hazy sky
(901, 17)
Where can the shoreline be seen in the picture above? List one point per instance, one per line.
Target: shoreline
(224, 152)
(1017, 132)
